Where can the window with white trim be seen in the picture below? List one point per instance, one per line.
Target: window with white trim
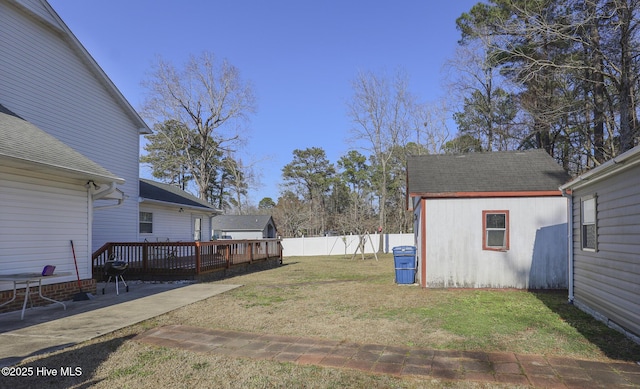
(589, 229)
(495, 230)
(146, 222)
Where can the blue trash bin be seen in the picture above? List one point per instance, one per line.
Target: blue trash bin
(404, 258)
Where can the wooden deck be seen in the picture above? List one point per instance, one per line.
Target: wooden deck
(162, 260)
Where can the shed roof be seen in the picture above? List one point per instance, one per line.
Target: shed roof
(26, 146)
(240, 222)
(170, 194)
(509, 171)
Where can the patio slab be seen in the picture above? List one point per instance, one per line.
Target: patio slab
(49, 328)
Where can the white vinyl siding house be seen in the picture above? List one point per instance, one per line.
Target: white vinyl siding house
(604, 259)
(69, 151)
(168, 213)
(51, 81)
(489, 220)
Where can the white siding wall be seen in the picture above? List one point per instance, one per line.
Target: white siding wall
(177, 226)
(38, 219)
(607, 280)
(48, 84)
(536, 257)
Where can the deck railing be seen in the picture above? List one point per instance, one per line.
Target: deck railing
(184, 259)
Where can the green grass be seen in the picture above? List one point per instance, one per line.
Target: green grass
(332, 289)
(337, 298)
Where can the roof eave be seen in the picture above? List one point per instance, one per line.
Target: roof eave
(615, 165)
(179, 205)
(63, 171)
(529, 193)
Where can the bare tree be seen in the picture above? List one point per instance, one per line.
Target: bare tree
(211, 100)
(292, 216)
(242, 177)
(429, 125)
(380, 109)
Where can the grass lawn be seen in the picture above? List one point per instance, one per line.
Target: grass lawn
(342, 299)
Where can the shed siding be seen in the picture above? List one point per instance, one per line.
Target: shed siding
(49, 84)
(538, 246)
(607, 280)
(38, 219)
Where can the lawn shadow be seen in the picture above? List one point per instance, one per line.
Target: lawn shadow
(71, 368)
(612, 343)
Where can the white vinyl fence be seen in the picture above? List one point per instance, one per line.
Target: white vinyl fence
(342, 245)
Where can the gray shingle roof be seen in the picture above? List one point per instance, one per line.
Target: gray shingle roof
(167, 193)
(28, 146)
(510, 171)
(240, 222)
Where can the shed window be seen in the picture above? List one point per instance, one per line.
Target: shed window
(146, 222)
(589, 230)
(495, 230)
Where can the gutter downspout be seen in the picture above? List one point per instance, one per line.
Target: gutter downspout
(97, 195)
(569, 198)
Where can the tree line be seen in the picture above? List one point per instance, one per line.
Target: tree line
(558, 75)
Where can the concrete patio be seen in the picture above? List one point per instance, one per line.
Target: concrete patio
(51, 327)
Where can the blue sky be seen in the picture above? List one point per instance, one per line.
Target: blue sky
(299, 55)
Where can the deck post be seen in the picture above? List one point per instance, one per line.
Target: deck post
(198, 263)
(145, 256)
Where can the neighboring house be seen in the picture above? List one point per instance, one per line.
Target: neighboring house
(604, 255)
(243, 227)
(489, 220)
(71, 178)
(167, 213)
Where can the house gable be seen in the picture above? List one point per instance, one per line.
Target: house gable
(41, 12)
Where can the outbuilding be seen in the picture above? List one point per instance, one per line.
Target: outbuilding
(489, 220)
(243, 227)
